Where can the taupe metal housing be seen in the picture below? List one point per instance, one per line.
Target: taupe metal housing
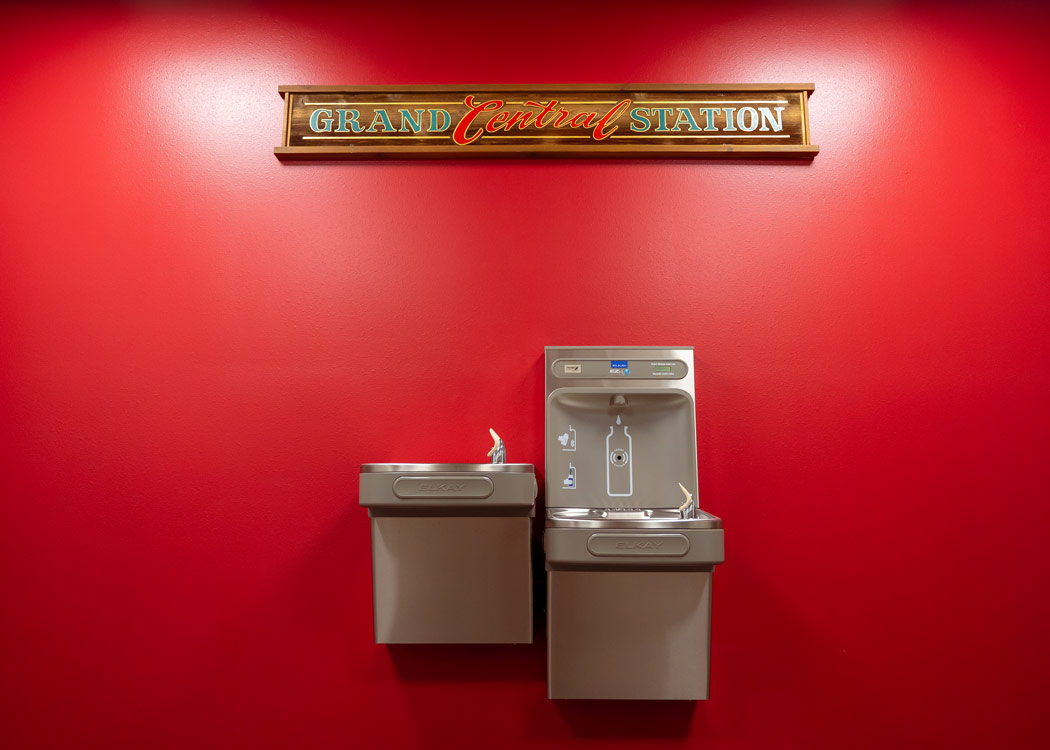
(451, 551)
(629, 564)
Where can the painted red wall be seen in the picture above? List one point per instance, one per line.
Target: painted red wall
(199, 345)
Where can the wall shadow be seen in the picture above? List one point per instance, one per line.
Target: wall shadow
(468, 662)
(628, 719)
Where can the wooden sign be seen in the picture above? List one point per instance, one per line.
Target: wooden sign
(649, 121)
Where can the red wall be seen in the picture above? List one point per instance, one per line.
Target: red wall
(200, 345)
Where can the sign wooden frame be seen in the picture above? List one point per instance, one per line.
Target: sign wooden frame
(752, 120)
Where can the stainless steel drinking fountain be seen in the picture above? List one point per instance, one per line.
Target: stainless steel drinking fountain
(451, 550)
(629, 555)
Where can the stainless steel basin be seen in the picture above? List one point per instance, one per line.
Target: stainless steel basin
(628, 518)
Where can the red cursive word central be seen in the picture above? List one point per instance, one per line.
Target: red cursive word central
(549, 114)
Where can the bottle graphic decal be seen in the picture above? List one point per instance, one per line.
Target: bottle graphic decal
(619, 469)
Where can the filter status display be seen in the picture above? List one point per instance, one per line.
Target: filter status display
(630, 369)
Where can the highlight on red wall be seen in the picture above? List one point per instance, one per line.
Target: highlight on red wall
(199, 345)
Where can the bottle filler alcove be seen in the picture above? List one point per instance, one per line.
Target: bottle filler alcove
(629, 555)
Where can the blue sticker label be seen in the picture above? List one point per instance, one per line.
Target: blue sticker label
(619, 363)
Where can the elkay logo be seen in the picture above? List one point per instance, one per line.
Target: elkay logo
(445, 487)
(639, 544)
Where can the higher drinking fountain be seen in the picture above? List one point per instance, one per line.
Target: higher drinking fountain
(629, 555)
